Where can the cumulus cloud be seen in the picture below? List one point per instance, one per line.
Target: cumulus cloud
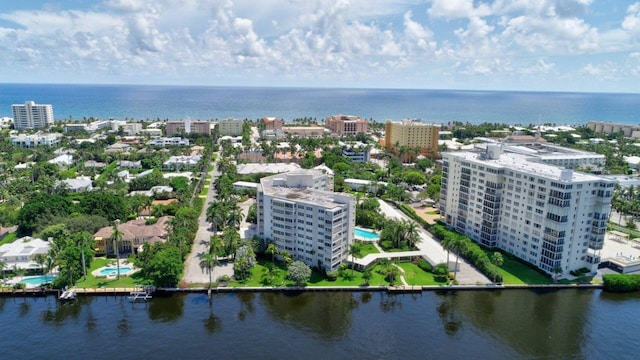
(317, 40)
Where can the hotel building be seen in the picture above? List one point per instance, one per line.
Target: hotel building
(32, 115)
(548, 216)
(412, 134)
(346, 124)
(299, 212)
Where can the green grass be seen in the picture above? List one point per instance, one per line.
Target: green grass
(368, 248)
(515, 272)
(416, 276)
(9, 238)
(94, 282)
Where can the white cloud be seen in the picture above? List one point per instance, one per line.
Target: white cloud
(327, 41)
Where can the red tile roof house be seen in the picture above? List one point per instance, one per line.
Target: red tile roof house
(135, 233)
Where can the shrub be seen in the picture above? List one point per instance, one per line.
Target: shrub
(224, 278)
(386, 244)
(621, 282)
(150, 221)
(424, 265)
(332, 275)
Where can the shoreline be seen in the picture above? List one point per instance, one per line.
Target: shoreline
(34, 292)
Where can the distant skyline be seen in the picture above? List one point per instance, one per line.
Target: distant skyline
(529, 45)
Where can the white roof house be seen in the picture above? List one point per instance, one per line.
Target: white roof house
(79, 184)
(21, 252)
(62, 160)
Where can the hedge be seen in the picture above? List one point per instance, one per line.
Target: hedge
(470, 251)
(621, 282)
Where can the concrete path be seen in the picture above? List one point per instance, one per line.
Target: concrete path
(402, 279)
(192, 271)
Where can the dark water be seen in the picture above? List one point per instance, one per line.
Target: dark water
(572, 324)
(438, 106)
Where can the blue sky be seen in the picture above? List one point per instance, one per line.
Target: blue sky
(547, 45)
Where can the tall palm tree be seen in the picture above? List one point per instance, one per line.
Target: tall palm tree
(208, 262)
(457, 246)
(116, 237)
(497, 260)
(3, 265)
(234, 216)
(355, 250)
(411, 233)
(447, 243)
(215, 215)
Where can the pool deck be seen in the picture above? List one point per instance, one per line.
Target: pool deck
(123, 263)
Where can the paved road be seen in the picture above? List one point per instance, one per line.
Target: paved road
(192, 271)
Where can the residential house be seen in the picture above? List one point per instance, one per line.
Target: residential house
(135, 234)
(21, 253)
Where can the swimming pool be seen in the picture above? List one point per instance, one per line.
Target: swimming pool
(114, 270)
(366, 234)
(37, 280)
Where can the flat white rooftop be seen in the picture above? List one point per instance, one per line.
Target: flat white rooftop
(273, 168)
(520, 163)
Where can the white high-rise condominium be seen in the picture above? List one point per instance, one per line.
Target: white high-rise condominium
(551, 217)
(299, 212)
(31, 115)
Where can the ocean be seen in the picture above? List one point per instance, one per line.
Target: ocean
(433, 106)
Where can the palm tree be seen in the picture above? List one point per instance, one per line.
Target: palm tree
(272, 249)
(209, 261)
(116, 237)
(446, 244)
(497, 260)
(3, 265)
(40, 259)
(411, 233)
(231, 240)
(457, 246)
(215, 215)
(286, 257)
(234, 216)
(355, 250)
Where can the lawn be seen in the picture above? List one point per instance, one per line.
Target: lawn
(368, 248)
(9, 238)
(515, 272)
(124, 281)
(416, 276)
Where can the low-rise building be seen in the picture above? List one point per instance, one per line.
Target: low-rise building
(309, 131)
(357, 151)
(181, 162)
(34, 140)
(126, 164)
(79, 184)
(62, 160)
(135, 234)
(168, 141)
(21, 253)
(187, 126)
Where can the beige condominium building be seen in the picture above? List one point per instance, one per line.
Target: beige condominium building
(346, 124)
(413, 134)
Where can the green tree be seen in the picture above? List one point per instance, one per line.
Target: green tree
(367, 274)
(273, 250)
(41, 260)
(116, 238)
(355, 250)
(208, 262)
(166, 267)
(269, 273)
(497, 260)
(298, 272)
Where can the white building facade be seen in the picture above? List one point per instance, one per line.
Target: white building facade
(31, 115)
(299, 212)
(551, 217)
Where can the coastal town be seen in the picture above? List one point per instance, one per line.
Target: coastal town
(341, 202)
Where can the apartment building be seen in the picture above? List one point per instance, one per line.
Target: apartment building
(31, 115)
(299, 212)
(548, 216)
(628, 130)
(232, 127)
(555, 155)
(187, 126)
(412, 134)
(346, 124)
